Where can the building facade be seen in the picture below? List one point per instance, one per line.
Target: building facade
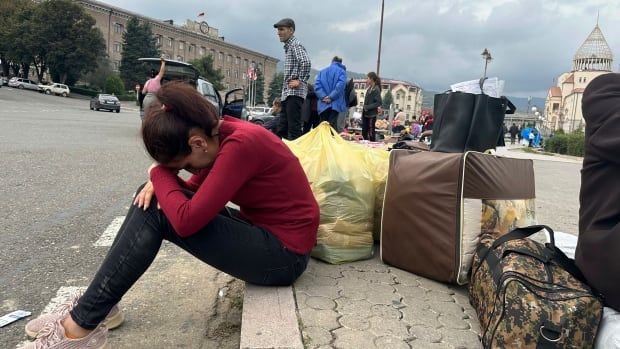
(563, 102)
(407, 96)
(182, 43)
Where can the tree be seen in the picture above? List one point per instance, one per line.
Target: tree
(275, 87)
(15, 35)
(98, 77)
(114, 85)
(138, 42)
(260, 87)
(206, 69)
(388, 99)
(64, 38)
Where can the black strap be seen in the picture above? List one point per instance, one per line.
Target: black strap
(511, 107)
(521, 233)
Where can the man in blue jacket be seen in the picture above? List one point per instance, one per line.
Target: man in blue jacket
(329, 86)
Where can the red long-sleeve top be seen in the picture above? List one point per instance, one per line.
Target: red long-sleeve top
(253, 169)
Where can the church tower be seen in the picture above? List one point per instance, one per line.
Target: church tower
(563, 103)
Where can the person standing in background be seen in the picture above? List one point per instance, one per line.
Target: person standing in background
(296, 75)
(329, 87)
(372, 101)
(152, 85)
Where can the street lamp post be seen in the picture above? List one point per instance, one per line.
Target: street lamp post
(380, 36)
(486, 55)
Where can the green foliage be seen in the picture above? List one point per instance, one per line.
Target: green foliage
(114, 85)
(388, 99)
(83, 91)
(206, 69)
(138, 42)
(260, 88)
(570, 144)
(97, 78)
(67, 40)
(15, 28)
(275, 87)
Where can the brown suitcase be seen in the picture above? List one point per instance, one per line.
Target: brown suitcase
(436, 206)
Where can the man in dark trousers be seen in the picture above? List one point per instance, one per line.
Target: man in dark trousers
(296, 75)
(598, 246)
(330, 86)
(514, 130)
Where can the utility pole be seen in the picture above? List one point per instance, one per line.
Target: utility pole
(380, 36)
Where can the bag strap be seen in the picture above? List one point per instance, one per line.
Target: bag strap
(511, 107)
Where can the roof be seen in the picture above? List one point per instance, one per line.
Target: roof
(595, 46)
(555, 91)
(570, 79)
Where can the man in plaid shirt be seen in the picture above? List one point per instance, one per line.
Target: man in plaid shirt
(296, 75)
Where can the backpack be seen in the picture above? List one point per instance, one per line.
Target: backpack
(350, 95)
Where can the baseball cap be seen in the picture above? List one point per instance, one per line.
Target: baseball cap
(285, 22)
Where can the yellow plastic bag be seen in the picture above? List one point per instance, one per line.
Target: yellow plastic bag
(343, 179)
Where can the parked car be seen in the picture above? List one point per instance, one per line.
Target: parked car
(106, 102)
(22, 83)
(4, 80)
(57, 89)
(231, 105)
(260, 119)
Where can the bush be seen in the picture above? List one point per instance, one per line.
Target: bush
(114, 85)
(570, 144)
(83, 91)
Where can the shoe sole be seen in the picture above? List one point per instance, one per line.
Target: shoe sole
(111, 323)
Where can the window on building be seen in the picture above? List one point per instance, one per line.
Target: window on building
(237, 59)
(118, 28)
(192, 48)
(117, 46)
(397, 106)
(356, 86)
(260, 66)
(409, 98)
(169, 42)
(245, 63)
(236, 74)
(556, 107)
(408, 106)
(385, 87)
(228, 72)
(116, 65)
(398, 96)
(203, 50)
(229, 58)
(584, 79)
(362, 94)
(181, 45)
(363, 86)
(221, 56)
(244, 76)
(158, 40)
(180, 59)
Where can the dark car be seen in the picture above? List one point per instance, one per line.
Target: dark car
(233, 102)
(105, 102)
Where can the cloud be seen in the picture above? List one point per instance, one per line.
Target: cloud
(432, 43)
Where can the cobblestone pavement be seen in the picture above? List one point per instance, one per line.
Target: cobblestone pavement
(368, 304)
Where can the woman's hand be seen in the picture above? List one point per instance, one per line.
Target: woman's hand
(143, 199)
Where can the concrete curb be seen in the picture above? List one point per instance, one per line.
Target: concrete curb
(269, 319)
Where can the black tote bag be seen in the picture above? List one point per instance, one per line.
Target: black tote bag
(466, 121)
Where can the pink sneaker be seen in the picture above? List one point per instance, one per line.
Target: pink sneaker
(114, 319)
(52, 336)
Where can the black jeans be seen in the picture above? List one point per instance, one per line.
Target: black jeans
(368, 128)
(290, 120)
(227, 243)
(331, 116)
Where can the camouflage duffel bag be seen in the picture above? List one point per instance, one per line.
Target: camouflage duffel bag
(529, 295)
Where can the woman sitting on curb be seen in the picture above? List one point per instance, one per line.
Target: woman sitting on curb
(267, 242)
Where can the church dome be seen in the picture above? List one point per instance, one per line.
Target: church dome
(594, 54)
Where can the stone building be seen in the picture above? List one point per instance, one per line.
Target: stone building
(563, 103)
(407, 96)
(182, 43)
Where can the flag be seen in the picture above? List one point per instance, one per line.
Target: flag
(201, 14)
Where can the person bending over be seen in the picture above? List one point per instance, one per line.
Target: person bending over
(266, 242)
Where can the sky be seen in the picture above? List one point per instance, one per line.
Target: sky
(432, 43)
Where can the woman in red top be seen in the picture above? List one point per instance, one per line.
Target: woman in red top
(266, 242)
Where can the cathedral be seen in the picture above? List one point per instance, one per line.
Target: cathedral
(563, 103)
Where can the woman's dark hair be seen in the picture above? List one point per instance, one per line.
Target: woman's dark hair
(178, 109)
(375, 78)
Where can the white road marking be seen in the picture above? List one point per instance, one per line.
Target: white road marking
(110, 232)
